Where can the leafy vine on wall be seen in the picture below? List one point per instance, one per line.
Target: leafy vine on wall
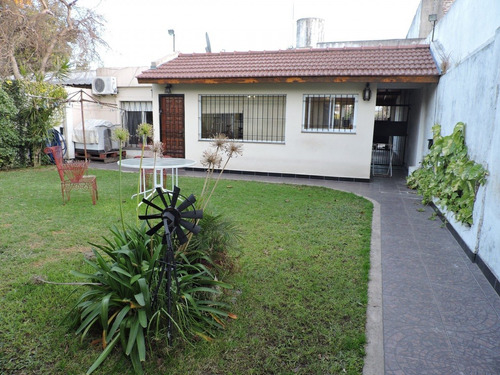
(448, 176)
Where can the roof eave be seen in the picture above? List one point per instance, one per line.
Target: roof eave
(294, 79)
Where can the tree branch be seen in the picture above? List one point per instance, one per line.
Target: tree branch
(14, 66)
(60, 36)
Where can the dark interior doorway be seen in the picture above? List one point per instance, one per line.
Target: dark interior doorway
(391, 129)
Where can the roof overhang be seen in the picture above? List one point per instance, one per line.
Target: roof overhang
(250, 80)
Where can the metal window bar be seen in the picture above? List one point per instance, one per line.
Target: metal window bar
(133, 113)
(251, 118)
(395, 113)
(329, 113)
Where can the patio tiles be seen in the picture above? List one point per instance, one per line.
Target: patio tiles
(440, 314)
(399, 289)
(419, 350)
(485, 286)
(478, 354)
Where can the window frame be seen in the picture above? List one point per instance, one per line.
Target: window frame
(329, 125)
(257, 118)
(144, 112)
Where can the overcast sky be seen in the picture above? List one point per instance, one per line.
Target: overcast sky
(137, 31)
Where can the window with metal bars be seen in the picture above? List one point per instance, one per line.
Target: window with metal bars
(249, 118)
(329, 113)
(134, 114)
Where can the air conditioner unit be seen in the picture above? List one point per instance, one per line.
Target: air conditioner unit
(104, 86)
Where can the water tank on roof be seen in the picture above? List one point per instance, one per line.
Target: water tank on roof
(310, 31)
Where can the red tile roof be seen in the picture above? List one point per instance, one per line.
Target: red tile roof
(407, 63)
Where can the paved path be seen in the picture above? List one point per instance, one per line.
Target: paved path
(432, 310)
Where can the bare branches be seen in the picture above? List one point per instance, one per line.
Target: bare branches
(35, 36)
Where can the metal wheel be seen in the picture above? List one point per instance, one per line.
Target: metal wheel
(162, 212)
(163, 215)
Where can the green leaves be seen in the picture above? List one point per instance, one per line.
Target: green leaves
(121, 302)
(448, 176)
(126, 270)
(37, 108)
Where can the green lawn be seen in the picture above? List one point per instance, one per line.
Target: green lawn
(300, 288)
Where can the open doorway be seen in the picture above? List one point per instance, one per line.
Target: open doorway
(390, 130)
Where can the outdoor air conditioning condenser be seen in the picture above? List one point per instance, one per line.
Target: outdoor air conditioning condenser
(104, 86)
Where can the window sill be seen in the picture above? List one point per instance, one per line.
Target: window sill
(244, 141)
(337, 131)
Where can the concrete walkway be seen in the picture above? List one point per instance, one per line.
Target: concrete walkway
(431, 311)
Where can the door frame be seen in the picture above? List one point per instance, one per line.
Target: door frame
(161, 124)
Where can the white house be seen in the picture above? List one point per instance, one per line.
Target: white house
(299, 112)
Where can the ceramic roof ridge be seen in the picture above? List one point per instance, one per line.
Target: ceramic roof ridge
(306, 50)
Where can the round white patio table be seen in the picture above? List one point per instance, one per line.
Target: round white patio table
(158, 166)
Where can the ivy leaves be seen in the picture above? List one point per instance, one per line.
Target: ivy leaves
(448, 176)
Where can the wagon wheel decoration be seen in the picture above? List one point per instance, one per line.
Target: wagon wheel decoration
(162, 210)
(162, 213)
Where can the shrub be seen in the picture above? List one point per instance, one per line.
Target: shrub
(9, 136)
(39, 109)
(448, 176)
(218, 235)
(123, 285)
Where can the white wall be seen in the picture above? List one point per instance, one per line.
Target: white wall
(468, 40)
(414, 30)
(466, 28)
(336, 155)
(128, 90)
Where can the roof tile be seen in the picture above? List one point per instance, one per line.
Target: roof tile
(411, 60)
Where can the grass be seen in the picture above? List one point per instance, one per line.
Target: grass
(300, 289)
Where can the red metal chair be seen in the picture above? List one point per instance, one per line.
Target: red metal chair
(72, 175)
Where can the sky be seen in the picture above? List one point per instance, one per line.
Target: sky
(137, 31)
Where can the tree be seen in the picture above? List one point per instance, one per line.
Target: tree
(28, 109)
(41, 36)
(9, 136)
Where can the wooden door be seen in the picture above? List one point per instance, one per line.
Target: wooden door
(172, 125)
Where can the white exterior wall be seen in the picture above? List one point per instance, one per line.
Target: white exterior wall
(466, 28)
(414, 31)
(468, 38)
(322, 154)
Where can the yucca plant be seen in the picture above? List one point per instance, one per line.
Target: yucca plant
(118, 302)
(197, 308)
(119, 299)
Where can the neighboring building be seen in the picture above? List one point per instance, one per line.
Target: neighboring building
(111, 94)
(298, 112)
(429, 12)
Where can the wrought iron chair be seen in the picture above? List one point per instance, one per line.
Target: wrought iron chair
(72, 175)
